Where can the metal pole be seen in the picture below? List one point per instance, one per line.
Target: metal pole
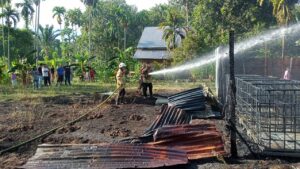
(232, 105)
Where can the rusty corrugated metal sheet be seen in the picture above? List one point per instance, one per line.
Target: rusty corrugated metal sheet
(198, 141)
(169, 115)
(107, 156)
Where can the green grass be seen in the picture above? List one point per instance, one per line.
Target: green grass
(7, 93)
(21, 92)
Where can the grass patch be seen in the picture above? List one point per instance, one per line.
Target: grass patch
(7, 93)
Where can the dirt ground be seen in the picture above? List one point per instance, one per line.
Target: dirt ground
(23, 119)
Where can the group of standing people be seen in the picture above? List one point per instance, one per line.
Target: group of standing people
(46, 75)
(88, 75)
(145, 81)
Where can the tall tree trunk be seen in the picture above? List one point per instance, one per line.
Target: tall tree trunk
(61, 33)
(282, 50)
(90, 25)
(187, 12)
(266, 64)
(125, 38)
(8, 49)
(35, 39)
(38, 24)
(3, 36)
(26, 23)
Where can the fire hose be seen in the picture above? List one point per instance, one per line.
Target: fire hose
(47, 133)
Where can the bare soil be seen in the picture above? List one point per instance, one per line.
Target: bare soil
(26, 118)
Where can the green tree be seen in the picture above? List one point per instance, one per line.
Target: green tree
(173, 27)
(58, 13)
(11, 16)
(74, 16)
(3, 3)
(27, 11)
(47, 38)
(282, 9)
(37, 24)
(90, 4)
(187, 6)
(158, 14)
(283, 13)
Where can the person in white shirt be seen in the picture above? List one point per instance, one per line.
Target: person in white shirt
(46, 75)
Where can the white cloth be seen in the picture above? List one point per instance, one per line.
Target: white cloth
(45, 72)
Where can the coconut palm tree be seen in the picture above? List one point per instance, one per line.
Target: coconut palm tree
(27, 11)
(59, 13)
(3, 3)
(173, 27)
(90, 4)
(11, 16)
(47, 38)
(124, 17)
(37, 23)
(74, 16)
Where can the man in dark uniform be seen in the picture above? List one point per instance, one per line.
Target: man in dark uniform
(67, 74)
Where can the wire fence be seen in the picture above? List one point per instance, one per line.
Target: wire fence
(269, 109)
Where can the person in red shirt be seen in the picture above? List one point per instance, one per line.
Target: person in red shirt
(92, 74)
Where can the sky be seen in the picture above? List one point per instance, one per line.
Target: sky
(48, 5)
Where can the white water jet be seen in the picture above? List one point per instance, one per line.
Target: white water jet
(239, 47)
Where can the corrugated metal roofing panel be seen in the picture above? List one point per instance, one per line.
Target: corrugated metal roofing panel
(109, 156)
(192, 101)
(174, 130)
(152, 38)
(151, 54)
(170, 115)
(199, 141)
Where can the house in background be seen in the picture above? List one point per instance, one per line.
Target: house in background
(152, 46)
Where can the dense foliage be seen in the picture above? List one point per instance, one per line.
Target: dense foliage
(108, 31)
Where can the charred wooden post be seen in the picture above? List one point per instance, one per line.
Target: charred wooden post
(232, 103)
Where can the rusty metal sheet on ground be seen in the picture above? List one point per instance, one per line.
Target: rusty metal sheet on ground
(198, 141)
(105, 156)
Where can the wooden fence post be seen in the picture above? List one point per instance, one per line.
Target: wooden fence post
(232, 103)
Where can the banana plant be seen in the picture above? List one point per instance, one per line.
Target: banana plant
(3, 75)
(55, 61)
(124, 56)
(21, 68)
(83, 63)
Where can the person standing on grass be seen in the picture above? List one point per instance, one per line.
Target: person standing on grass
(147, 79)
(60, 75)
(35, 77)
(92, 74)
(40, 76)
(14, 79)
(67, 70)
(52, 71)
(121, 82)
(46, 75)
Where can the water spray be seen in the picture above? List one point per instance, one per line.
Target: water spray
(239, 47)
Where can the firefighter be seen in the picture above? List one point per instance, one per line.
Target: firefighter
(147, 79)
(121, 81)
